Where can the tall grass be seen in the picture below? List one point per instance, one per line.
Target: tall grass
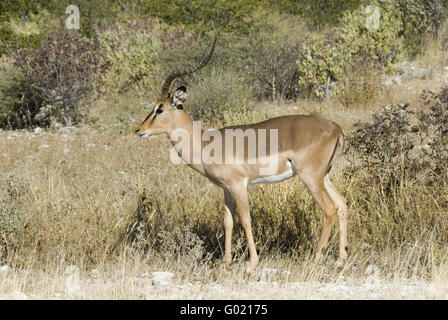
(82, 200)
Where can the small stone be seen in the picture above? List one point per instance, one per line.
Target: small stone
(5, 269)
(17, 296)
(372, 270)
(162, 278)
(66, 130)
(71, 270)
(269, 274)
(72, 283)
(94, 274)
(396, 80)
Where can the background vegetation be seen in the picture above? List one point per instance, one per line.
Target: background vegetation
(68, 193)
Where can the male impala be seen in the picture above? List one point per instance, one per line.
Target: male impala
(304, 145)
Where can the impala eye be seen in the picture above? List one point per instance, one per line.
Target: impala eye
(159, 110)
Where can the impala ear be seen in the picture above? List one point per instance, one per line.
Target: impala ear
(179, 97)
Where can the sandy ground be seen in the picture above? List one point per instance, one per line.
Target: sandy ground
(147, 286)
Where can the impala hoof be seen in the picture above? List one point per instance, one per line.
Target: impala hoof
(318, 258)
(226, 262)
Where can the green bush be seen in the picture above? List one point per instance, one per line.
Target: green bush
(320, 62)
(269, 55)
(220, 92)
(265, 58)
(202, 15)
(10, 42)
(133, 55)
(12, 216)
(420, 17)
(325, 59)
(10, 96)
(26, 32)
(11, 224)
(317, 12)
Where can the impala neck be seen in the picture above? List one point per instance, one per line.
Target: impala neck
(183, 124)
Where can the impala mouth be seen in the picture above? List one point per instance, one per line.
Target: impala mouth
(143, 135)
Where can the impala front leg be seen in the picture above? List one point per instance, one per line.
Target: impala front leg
(230, 208)
(239, 193)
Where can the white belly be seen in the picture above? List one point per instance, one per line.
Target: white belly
(277, 178)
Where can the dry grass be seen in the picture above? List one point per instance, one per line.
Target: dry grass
(114, 206)
(111, 202)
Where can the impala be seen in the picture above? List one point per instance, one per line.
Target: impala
(305, 146)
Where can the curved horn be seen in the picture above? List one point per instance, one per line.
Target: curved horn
(204, 60)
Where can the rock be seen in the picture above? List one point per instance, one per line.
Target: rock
(72, 283)
(71, 270)
(38, 130)
(43, 113)
(66, 130)
(162, 278)
(387, 82)
(396, 80)
(372, 269)
(95, 274)
(269, 274)
(16, 296)
(5, 270)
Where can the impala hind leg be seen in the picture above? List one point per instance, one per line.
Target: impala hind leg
(341, 206)
(325, 202)
(327, 206)
(230, 208)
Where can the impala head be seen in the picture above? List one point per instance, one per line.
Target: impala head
(170, 103)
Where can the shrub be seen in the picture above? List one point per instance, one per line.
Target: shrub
(221, 92)
(326, 59)
(26, 29)
(133, 53)
(64, 70)
(202, 14)
(12, 217)
(316, 12)
(11, 223)
(10, 94)
(9, 41)
(400, 143)
(265, 58)
(320, 63)
(420, 17)
(271, 54)
(359, 87)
